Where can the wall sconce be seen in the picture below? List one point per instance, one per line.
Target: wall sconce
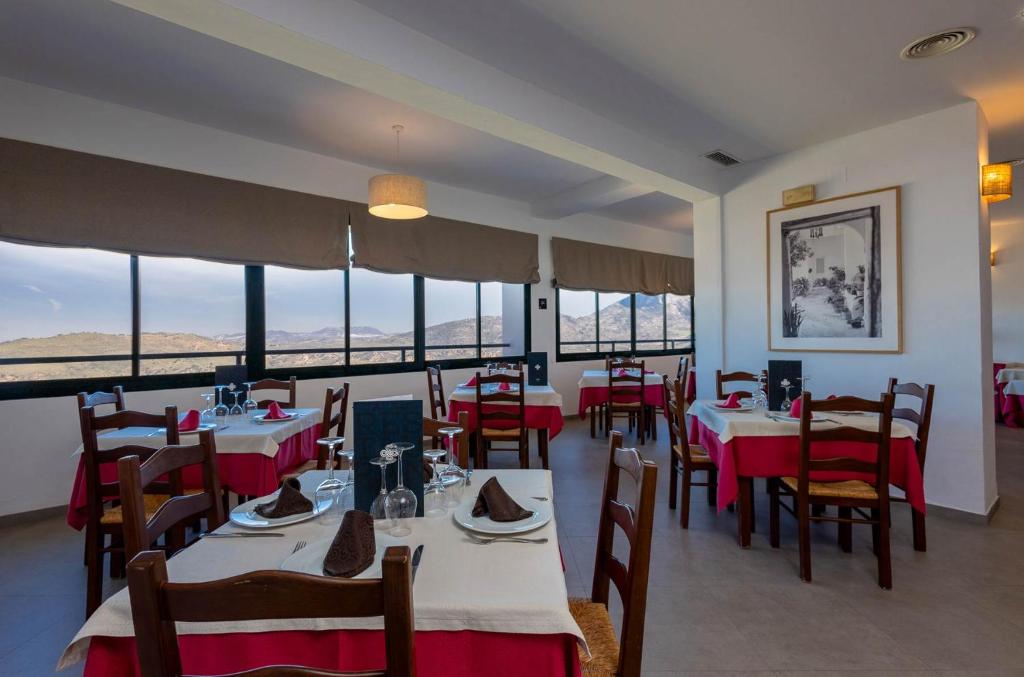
(992, 258)
(997, 181)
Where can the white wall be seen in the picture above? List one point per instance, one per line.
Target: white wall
(38, 435)
(946, 297)
(1008, 274)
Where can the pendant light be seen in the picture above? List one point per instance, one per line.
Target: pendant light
(397, 196)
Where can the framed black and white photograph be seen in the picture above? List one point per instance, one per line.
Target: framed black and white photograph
(834, 274)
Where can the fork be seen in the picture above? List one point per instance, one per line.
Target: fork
(505, 539)
(299, 546)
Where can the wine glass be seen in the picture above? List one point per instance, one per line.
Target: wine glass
(434, 495)
(377, 506)
(236, 408)
(786, 386)
(221, 410)
(250, 405)
(453, 460)
(455, 476)
(207, 414)
(331, 488)
(401, 502)
(760, 396)
(804, 380)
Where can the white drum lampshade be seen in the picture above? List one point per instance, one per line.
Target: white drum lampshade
(397, 196)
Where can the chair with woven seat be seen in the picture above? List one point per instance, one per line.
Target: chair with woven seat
(686, 458)
(432, 431)
(435, 391)
(331, 425)
(609, 657)
(142, 527)
(921, 417)
(269, 595)
(626, 397)
(848, 495)
(735, 377)
(105, 516)
(274, 384)
(501, 416)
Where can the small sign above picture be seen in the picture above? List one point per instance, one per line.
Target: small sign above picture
(798, 195)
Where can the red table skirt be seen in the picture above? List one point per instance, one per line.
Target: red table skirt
(537, 418)
(654, 395)
(247, 474)
(451, 654)
(1009, 409)
(764, 456)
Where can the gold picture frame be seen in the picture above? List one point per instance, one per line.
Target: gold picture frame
(859, 232)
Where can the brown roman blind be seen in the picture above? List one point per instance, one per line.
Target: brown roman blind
(589, 266)
(445, 249)
(61, 197)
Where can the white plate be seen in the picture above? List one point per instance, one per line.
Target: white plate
(463, 516)
(259, 418)
(738, 409)
(245, 514)
(310, 560)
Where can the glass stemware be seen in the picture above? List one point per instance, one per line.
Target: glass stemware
(331, 488)
(401, 502)
(453, 476)
(434, 496)
(207, 415)
(220, 411)
(236, 408)
(760, 397)
(787, 403)
(250, 405)
(377, 511)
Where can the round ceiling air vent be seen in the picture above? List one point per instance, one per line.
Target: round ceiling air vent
(943, 42)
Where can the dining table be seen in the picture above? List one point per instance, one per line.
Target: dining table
(748, 444)
(543, 410)
(497, 609)
(1009, 384)
(251, 455)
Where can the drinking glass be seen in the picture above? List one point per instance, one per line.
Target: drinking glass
(221, 410)
(401, 503)
(760, 396)
(236, 408)
(804, 380)
(250, 404)
(377, 506)
(434, 495)
(207, 415)
(453, 461)
(452, 476)
(787, 403)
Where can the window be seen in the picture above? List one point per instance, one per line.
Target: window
(305, 311)
(59, 303)
(593, 324)
(382, 313)
(503, 313)
(193, 315)
(451, 319)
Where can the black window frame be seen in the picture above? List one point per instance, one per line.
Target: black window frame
(633, 348)
(255, 351)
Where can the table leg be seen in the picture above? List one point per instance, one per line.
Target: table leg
(542, 447)
(745, 510)
(593, 422)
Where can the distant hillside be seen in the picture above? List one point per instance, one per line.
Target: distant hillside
(615, 321)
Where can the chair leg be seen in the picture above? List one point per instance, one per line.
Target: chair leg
(712, 487)
(773, 512)
(884, 556)
(673, 479)
(593, 422)
(117, 556)
(607, 420)
(652, 423)
(482, 451)
(917, 522)
(94, 573)
(875, 515)
(641, 426)
(524, 453)
(684, 507)
(804, 525)
(845, 530)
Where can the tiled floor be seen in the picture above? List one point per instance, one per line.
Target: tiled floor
(712, 608)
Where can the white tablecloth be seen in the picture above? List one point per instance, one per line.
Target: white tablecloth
(1010, 374)
(1015, 387)
(536, 396)
(504, 587)
(730, 424)
(598, 378)
(241, 436)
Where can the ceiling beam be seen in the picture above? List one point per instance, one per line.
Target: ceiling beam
(351, 44)
(587, 197)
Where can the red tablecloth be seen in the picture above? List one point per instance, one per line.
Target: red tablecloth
(537, 417)
(1009, 409)
(765, 456)
(246, 474)
(654, 395)
(451, 654)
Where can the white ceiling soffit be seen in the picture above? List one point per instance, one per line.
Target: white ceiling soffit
(655, 210)
(586, 197)
(349, 43)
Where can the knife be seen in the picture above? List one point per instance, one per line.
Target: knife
(416, 561)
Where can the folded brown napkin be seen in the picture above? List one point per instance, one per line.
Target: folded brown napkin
(353, 547)
(495, 502)
(289, 501)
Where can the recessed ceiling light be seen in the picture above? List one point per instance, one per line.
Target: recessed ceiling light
(935, 44)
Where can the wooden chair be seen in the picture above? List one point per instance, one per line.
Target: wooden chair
(626, 397)
(686, 458)
(734, 377)
(157, 604)
(922, 419)
(275, 384)
(97, 399)
(105, 516)
(620, 658)
(510, 425)
(432, 427)
(683, 368)
(848, 495)
(331, 425)
(435, 391)
(141, 530)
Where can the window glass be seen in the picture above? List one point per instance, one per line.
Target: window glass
(502, 319)
(650, 322)
(57, 302)
(382, 315)
(615, 322)
(577, 321)
(450, 316)
(305, 310)
(679, 321)
(190, 306)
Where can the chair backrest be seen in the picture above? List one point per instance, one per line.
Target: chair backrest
(877, 468)
(734, 377)
(99, 398)
(93, 458)
(683, 367)
(674, 428)
(275, 384)
(158, 603)
(920, 417)
(636, 523)
(628, 386)
(333, 422)
(135, 475)
(435, 390)
(512, 401)
(432, 427)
